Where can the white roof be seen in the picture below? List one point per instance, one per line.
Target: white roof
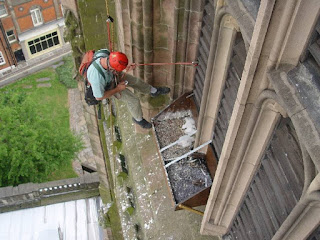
(74, 220)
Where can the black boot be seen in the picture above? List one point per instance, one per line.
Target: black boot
(143, 123)
(160, 91)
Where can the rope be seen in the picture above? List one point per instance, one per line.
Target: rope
(108, 26)
(109, 37)
(109, 102)
(134, 65)
(112, 32)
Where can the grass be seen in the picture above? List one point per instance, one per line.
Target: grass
(66, 71)
(52, 102)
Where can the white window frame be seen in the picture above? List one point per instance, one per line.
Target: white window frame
(5, 9)
(2, 60)
(11, 38)
(62, 9)
(36, 16)
(44, 42)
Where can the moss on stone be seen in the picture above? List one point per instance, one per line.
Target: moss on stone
(113, 213)
(115, 222)
(70, 197)
(117, 146)
(104, 194)
(161, 38)
(181, 28)
(94, 25)
(159, 101)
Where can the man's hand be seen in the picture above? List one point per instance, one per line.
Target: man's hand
(121, 86)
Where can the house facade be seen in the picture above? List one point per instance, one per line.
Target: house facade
(30, 28)
(7, 59)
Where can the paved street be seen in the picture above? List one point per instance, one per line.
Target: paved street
(34, 65)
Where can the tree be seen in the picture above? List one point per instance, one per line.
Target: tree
(31, 145)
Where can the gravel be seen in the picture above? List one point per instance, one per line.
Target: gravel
(190, 175)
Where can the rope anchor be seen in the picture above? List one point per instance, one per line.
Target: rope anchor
(195, 63)
(109, 19)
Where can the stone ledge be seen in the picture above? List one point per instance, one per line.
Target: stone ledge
(32, 195)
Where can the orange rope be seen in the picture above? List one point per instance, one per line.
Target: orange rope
(134, 65)
(109, 37)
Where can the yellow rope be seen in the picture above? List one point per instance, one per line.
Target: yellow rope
(112, 28)
(112, 37)
(107, 6)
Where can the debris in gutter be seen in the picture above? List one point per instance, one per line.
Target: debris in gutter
(175, 133)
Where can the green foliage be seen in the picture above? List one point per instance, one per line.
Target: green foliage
(130, 210)
(103, 217)
(117, 146)
(32, 144)
(122, 176)
(65, 73)
(111, 119)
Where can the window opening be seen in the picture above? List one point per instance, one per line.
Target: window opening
(2, 61)
(3, 11)
(11, 36)
(43, 42)
(36, 17)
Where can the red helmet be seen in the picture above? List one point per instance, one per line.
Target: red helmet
(118, 61)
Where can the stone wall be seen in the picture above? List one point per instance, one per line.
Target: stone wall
(40, 194)
(72, 5)
(162, 31)
(90, 117)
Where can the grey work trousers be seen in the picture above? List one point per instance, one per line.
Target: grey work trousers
(132, 101)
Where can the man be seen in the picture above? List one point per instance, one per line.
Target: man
(101, 75)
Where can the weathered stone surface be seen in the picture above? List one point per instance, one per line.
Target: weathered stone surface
(299, 95)
(147, 13)
(6, 191)
(32, 195)
(252, 7)
(137, 35)
(193, 31)
(196, 5)
(303, 78)
(160, 36)
(154, 211)
(79, 126)
(44, 85)
(167, 12)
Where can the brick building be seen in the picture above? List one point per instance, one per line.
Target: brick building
(29, 28)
